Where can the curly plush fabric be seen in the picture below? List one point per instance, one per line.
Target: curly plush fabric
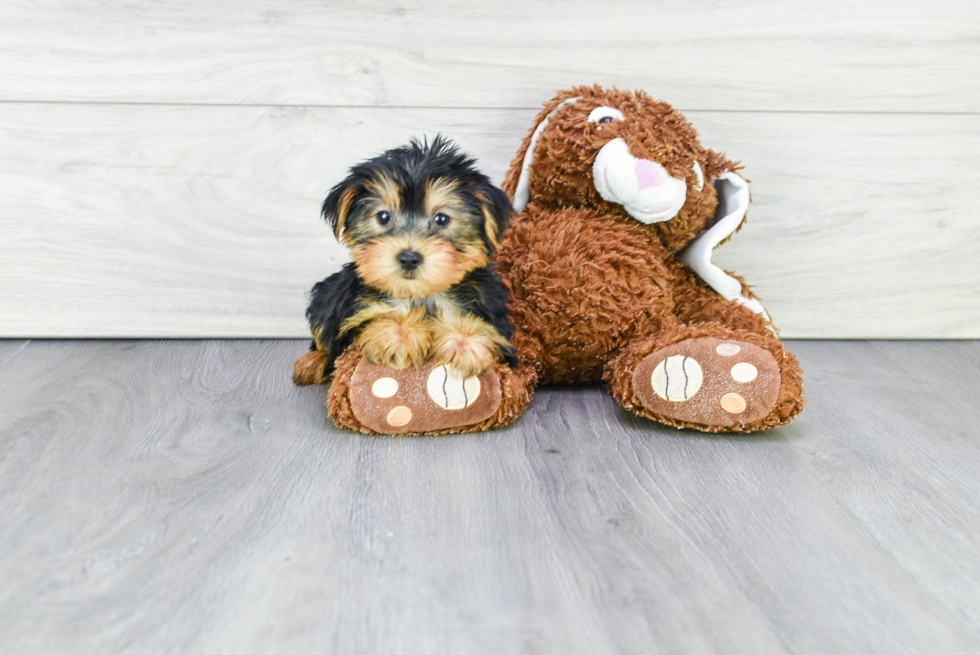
(593, 290)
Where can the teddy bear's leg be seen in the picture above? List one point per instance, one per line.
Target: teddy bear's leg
(424, 400)
(696, 302)
(708, 377)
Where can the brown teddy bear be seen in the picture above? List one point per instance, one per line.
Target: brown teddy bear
(608, 266)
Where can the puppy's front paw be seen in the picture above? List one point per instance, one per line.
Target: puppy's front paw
(464, 355)
(397, 342)
(467, 345)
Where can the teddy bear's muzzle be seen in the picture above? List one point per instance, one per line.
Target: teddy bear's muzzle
(642, 187)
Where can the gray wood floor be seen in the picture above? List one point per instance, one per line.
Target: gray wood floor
(184, 497)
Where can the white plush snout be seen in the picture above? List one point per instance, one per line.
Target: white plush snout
(643, 187)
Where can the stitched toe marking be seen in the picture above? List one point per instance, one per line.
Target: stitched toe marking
(452, 392)
(677, 378)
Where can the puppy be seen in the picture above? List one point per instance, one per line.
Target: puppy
(421, 223)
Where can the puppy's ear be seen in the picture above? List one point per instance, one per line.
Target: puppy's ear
(338, 204)
(497, 212)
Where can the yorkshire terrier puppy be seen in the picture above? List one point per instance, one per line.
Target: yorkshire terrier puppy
(421, 223)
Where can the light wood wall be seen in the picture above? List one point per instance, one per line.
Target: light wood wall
(162, 164)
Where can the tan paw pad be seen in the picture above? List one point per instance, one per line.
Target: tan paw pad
(399, 416)
(708, 381)
(732, 403)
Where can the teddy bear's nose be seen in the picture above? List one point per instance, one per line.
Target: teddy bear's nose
(650, 173)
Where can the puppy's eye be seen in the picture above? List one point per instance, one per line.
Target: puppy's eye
(441, 220)
(384, 218)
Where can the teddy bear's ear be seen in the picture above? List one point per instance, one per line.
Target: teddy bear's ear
(733, 202)
(716, 164)
(699, 174)
(517, 184)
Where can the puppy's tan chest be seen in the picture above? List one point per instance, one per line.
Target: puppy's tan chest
(438, 307)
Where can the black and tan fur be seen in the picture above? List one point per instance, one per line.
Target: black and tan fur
(427, 200)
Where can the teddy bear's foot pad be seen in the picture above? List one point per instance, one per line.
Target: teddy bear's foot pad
(709, 382)
(421, 400)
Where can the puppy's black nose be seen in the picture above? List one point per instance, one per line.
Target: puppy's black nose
(409, 259)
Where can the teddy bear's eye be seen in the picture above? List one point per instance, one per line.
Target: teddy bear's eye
(605, 115)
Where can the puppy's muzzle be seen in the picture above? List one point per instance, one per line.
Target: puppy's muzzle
(409, 260)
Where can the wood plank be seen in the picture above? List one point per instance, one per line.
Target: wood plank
(177, 221)
(183, 497)
(900, 451)
(748, 55)
(859, 226)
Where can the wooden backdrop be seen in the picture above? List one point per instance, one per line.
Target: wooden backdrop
(162, 164)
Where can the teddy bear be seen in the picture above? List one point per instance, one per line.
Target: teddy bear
(608, 266)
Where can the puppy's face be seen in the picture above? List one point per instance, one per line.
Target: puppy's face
(417, 219)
